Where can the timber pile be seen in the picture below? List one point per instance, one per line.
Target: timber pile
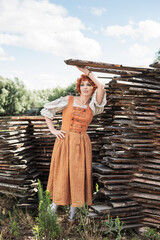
(18, 173)
(116, 169)
(25, 155)
(44, 142)
(129, 171)
(26, 147)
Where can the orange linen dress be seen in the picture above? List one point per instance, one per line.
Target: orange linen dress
(70, 176)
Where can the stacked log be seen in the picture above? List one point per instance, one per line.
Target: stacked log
(146, 181)
(43, 141)
(18, 173)
(129, 173)
(120, 162)
(26, 146)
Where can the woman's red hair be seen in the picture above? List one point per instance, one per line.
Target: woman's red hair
(82, 78)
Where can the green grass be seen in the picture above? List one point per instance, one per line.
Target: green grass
(39, 224)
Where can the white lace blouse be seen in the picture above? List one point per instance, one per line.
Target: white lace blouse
(59, 104)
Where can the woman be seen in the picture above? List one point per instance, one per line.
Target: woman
(70, 177)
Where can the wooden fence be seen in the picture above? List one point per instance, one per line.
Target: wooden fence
(125, 142)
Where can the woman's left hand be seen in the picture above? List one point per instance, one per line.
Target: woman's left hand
(83, 69)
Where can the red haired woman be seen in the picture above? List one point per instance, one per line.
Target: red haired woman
(70, 177)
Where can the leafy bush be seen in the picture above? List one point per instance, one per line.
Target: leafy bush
(46, 226)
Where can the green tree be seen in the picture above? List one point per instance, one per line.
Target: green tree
(157, 58)
(58, 92)
(71, 89)
(14, 97)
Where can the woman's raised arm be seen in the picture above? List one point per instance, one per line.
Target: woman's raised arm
(100, 85)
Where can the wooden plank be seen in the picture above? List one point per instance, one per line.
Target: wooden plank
(101, 209)
(117, 204)
(104, 65)
(148, 176)
(117, 187)
(110, 176)
(157, 183)
(122, 166)
(144, 195)
(113, 71)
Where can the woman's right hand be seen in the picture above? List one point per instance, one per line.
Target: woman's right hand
(58, 133)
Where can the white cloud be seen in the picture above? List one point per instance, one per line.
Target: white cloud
(138, 50)
(44, 26)
(44, 80)
(4, 56)
(147, 29)
(41, 80)
(140, 54)
(118, 31)
(92, 30)
(98, 11)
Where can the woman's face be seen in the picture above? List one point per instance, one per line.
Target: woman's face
(86, 88)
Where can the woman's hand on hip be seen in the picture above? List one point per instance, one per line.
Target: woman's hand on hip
(58, 133)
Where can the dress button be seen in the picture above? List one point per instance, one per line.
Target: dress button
(81, 126)
(79, 108)
(72, 118)
(84, 110)
(77, 120)
(75, 130)
(71, 124)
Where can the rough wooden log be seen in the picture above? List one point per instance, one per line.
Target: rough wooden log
(104, 65)
(113, 71)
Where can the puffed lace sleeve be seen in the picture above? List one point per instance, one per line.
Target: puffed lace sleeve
(51, 108)
(97, 108)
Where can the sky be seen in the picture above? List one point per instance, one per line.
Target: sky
(36, 36)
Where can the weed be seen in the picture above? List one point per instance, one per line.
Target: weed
(14, 227)
(113, 226)
(46, 226)
(97, 187)
(118, 228)
(87, 228)
(152, 234)
(110, 226)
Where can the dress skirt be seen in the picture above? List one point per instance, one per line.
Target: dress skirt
(70, 177)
